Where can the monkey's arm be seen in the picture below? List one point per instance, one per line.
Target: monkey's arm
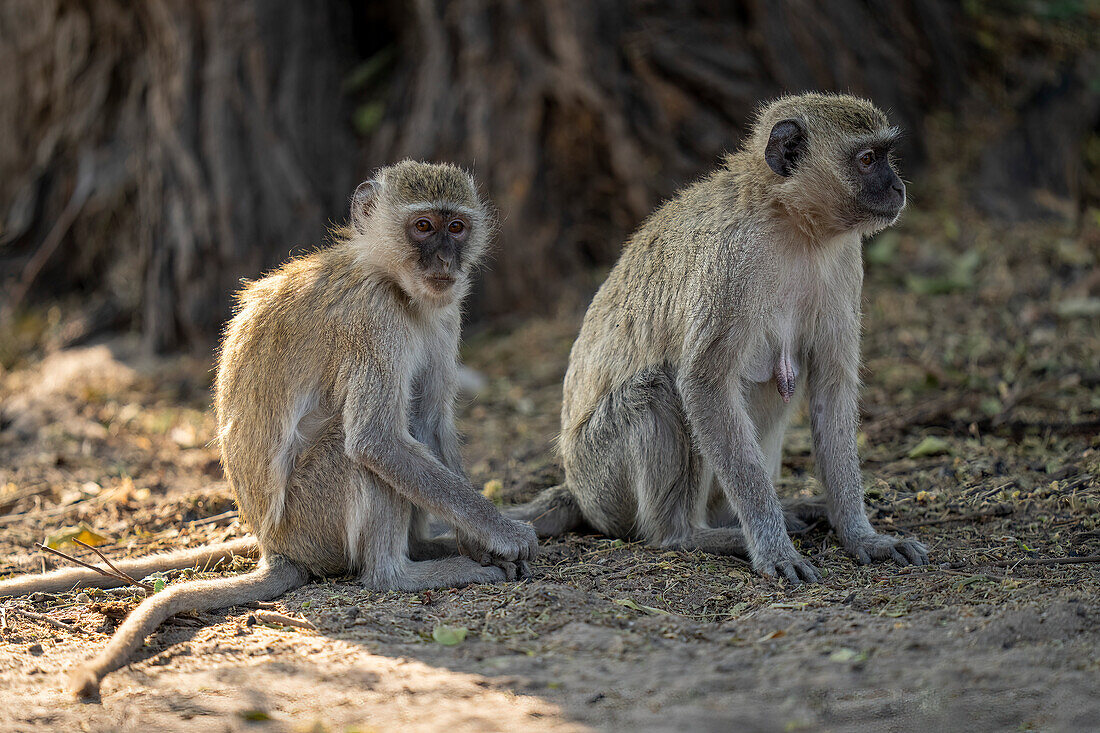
(834, 398)
(710, 387)
(377, 435)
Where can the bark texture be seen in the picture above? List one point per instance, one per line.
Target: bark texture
(153, 153)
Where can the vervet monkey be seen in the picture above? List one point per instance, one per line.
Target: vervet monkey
(334, 397)
(737, 295)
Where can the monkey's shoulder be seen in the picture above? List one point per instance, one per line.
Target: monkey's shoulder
(322, 300)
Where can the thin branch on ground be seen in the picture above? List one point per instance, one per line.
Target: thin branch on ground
(957, 518)
(24, 493)
(271, 617)
(231, 514)
(111, 565)
(51, 621)
(1043, 561)
(109, 573)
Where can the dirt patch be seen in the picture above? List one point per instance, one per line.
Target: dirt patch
(983, 340)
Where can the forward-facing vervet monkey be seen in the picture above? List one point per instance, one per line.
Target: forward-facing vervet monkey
(725, 302)
(334, 397)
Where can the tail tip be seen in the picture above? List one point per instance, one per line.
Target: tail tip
(83, 683)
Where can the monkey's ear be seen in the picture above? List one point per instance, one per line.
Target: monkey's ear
(786, 145)
(362, 201)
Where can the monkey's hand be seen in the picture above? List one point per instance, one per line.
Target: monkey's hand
(785, 562)
(867, 548)
(505, 539)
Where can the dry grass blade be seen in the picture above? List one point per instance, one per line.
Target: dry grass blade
(271, 617)
(231, 514)
(51, 621)
(970, 517)
(25, 493)
(1043, 561)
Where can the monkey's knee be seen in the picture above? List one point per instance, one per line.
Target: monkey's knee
(553, 512)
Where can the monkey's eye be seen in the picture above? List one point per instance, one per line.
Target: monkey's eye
(423, 225)
(867, 158)
(456, 227)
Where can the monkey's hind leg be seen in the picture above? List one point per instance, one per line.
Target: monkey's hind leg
(799, 513)
(385, 531)
(635, 471)
(552, 513)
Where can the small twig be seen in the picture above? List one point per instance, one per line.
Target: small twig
(101, 571)
(57, 511)
(231, 514)
(111, 565)
(1043, 561)
(76, 560)
(260, 604)
(958, 518)
(24, 493)
(52, 621)
(271, 617)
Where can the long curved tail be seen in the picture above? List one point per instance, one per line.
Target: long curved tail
(57, 581)
(271, 579)
(553, 512)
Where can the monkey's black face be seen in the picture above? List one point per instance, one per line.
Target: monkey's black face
(881, 192)
(438, 238)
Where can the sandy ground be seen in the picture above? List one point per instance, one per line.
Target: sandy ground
(994, 354)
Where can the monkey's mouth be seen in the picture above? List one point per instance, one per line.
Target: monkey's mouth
(440, 282)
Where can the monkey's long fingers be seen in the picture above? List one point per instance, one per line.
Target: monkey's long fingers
(884, 547)
(798, 572)
(914, 552)
(511, 572)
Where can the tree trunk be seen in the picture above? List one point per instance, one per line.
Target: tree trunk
(213, 134)
(153, 153)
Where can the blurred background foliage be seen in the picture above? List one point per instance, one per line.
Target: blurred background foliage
(153, 153)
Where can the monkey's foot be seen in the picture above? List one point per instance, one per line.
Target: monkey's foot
(879, 547)
(785, 376)
(787, 564)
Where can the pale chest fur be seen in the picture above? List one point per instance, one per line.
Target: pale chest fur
(429, 356)
(801, 304)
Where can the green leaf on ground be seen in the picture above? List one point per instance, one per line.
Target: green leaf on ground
(847, 655)
(449, 635)
(930, 446)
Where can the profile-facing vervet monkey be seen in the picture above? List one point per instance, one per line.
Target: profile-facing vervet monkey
(335, 396)
(739, 294)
